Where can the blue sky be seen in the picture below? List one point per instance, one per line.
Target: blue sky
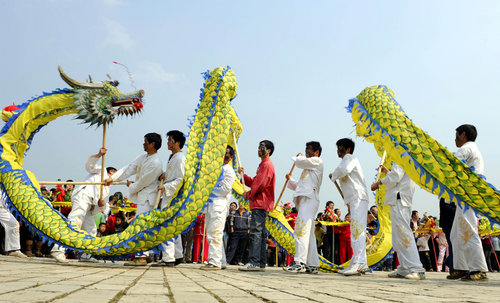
(297, 64)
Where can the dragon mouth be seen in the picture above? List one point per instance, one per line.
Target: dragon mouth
(128, 106)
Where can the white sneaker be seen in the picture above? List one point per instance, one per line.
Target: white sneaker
(395, 274)
(415, 276)
(295, 268)
(354, 269)
(249, 267)
(89, 259)
(17, 253)
(342, 271)
(363, 268)
(59, 256)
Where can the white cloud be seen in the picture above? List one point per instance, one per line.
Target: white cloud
(155, 72)
(117, 35)
(113, 3)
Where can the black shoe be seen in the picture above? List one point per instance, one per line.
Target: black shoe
(178, 261)
(149, 259)
(475, 276)
(457, 274)
(163, 264)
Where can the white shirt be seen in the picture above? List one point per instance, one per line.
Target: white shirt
(469, 152)
(2, 201)
(173, 175)
(397, 181)
(310, 179)
(423, 243)
(147, 169)
(92, 192)
(223, 189)
(352, 180)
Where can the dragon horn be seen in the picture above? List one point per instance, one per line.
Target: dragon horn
(77, 84)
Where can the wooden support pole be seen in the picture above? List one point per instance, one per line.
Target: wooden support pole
(239, 160)
(284, 186)
(103, 168)
(77, 183)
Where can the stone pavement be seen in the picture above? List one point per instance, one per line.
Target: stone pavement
(43, 280)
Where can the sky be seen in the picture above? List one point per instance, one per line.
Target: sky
(297, 64)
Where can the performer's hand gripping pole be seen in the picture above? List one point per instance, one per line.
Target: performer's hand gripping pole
(284, 186)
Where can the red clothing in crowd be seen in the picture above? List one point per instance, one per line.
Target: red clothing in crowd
(110, 225)
(59, 193)
(345, 249)
(291, 218)
(199, 230)
(261, 193)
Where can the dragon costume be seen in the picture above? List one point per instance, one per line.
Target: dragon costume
(210, 132)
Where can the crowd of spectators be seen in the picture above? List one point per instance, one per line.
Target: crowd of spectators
(332, 232)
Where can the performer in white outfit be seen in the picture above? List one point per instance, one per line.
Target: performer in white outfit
(148, 169)
(86, 203)
(172, 250)
(306, 200)
(352, 182)
(468, 257)
(399, 195)
(217, 213)
(11, 226)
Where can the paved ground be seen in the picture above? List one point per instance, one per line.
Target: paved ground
(43, 280)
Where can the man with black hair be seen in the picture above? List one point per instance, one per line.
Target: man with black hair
(306, 199)
(261, 196)
(172, 250)
(147, 168)
(217, 213)
(86, 202)
(469, 262)
(352, 182)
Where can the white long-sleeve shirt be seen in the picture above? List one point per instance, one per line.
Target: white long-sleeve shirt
(310, 179)
(147, 169)
(397, 181)
(173, 175)
(352, 179)
(92, 192)
(469, 152)
(223, 189)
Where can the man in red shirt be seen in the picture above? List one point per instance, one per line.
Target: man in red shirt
(261, 196)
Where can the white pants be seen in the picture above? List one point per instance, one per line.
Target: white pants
(466, 244)
(403, 240)
(215, 220)
(359, 211)
(12, 241)
(442, 254)
(306, 250)
(82, 213)
(172, 250)
(143, 208)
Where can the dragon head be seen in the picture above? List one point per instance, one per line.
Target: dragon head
(100, 102)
